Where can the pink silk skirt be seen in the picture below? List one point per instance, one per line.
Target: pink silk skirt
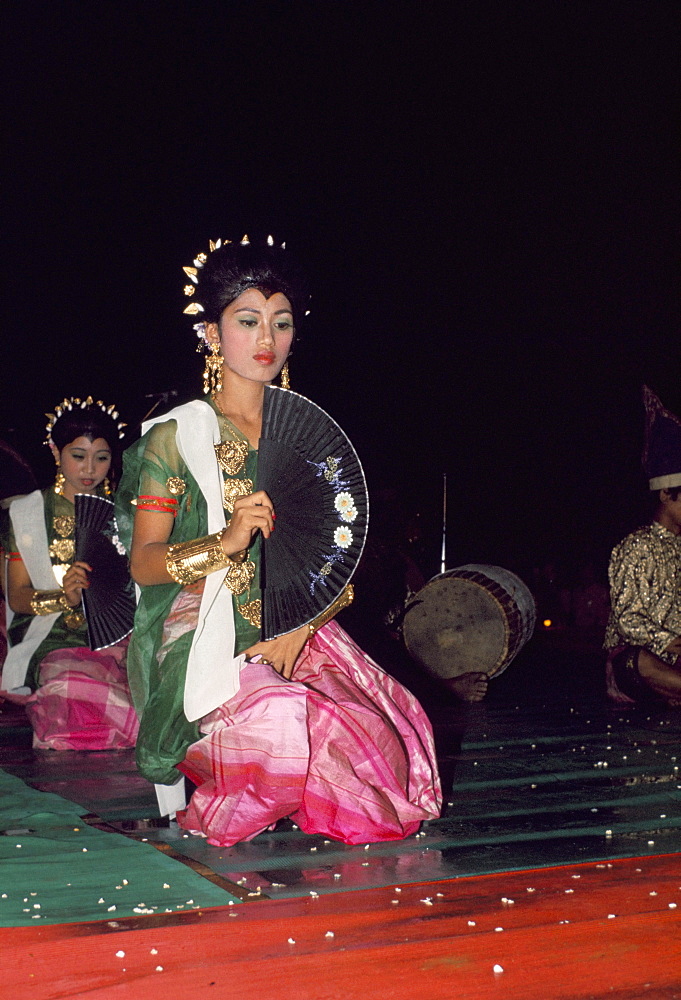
(342, 749)
(83, 702)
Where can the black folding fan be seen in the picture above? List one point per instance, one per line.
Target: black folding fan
(314, 478)
(109, 601)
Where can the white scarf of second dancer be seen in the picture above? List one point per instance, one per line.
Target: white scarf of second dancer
(28, 521)
(214, 639)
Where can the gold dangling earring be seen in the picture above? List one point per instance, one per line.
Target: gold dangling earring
(212, 373)
(59, 480)
(284, 376)
(107, 487)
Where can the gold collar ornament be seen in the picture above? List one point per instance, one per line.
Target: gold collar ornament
(64, 525)
(231, 456)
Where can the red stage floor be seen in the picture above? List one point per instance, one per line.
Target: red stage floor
(579, 932)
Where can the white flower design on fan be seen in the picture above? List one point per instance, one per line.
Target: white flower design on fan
(342, 537)
(345, 506)
(118, 544)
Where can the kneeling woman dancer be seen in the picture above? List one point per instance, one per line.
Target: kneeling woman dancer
(80, 699)
(305, 725)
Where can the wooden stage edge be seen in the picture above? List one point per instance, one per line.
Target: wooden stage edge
(575, 932)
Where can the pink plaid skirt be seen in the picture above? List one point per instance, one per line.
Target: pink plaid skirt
(342, 748)
(83, 702)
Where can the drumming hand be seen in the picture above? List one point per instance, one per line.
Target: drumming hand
(469, 687)
(75, 582)
(281, 653)
(251, 514)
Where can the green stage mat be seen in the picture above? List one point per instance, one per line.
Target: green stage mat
(55, 868)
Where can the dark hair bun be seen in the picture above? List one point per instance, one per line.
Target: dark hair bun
(234, 267)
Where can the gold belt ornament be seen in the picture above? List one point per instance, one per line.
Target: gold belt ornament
(239, 577)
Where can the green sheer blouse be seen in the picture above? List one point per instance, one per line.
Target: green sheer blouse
(153, 467)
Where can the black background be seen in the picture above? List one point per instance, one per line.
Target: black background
(486, 194)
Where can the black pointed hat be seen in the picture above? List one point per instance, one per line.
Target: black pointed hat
(662, 448)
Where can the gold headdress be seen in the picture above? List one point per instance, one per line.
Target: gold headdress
(74, 403)
(191, 272)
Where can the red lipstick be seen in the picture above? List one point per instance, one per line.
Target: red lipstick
(264, 357)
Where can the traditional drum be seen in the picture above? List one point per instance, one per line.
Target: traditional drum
(472, 618)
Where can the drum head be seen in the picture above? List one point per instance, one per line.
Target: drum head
(454, 626)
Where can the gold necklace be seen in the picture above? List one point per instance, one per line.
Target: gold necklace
(214, 397)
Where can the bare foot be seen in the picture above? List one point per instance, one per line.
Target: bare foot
(663, 680)
(468, 687)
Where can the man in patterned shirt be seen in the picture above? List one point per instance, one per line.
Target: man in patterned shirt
(643, 637)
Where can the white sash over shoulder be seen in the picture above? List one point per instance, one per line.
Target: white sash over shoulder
(28, 521)
(212, 669)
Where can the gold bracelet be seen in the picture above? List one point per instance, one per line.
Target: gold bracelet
(187, 562)
(345, 598)
(54, 602)
(49, 602)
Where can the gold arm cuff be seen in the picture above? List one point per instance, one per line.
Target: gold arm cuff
(187, 562)
(345, 598)
(49, 602)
